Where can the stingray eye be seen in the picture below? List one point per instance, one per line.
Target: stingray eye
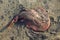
(15, 19)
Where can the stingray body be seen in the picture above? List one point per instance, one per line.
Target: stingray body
(34, 19)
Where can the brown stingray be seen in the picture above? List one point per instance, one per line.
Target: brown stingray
(40, 20)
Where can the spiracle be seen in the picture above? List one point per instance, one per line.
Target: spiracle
(36, 19)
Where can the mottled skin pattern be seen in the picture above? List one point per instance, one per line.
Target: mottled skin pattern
(35, 19)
